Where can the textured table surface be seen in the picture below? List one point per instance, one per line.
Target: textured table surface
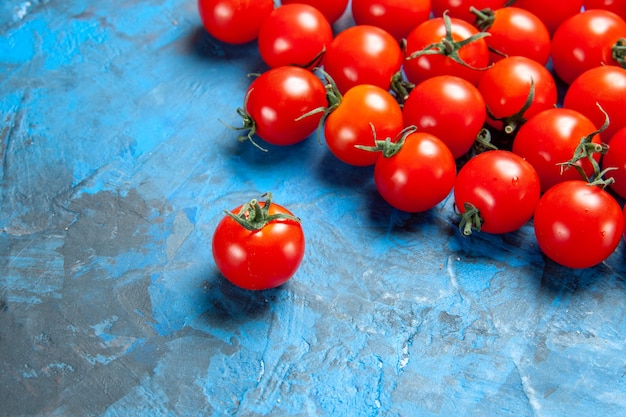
(115, 169)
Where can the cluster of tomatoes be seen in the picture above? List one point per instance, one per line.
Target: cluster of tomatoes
(515, 107)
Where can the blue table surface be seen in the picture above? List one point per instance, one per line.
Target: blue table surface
(115, 169)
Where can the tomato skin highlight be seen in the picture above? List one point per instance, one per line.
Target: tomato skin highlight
(234, 21)
(259, 259)
(419, 176)
(504, 188)
(578, 225)
(551, 13)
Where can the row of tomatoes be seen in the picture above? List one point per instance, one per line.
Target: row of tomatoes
(423, 90)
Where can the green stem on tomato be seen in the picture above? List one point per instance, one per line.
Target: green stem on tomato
(618, 52)
(484, 18)
(514, 121)
(388, 147)
(253, 216)
(470, 219)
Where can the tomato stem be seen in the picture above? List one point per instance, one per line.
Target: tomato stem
(471, 219)
(484, 18)
(401, 87)
(482, 143)
(333, 98)
(388, 147)
(514, 121)
(619, 52)
(248, 123)
(253, 216)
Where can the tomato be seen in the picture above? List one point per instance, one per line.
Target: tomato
(616, 6)
(440, 59)
(449, 108)
(331, 9)
(417, 175)
(506, 86)
(502, 186)
(259, 245)
(551, 13)
(550, 138)
(294, 34)
(398, 17)
(461, 8)
(616, 158)
(275, 101)
(234, 21)
(578, 225)
(363, 54)
(606, 86)
(515, 32)
(585, 41)
(350, 124)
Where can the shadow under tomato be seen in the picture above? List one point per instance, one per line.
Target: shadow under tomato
(333, 171)
(205, 46)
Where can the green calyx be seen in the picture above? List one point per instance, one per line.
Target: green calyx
(449, 47)
(470, 220)
(484, 18)
(618, 52)
(248, 123)
(388, 147)
(514, 121)
(254, 216)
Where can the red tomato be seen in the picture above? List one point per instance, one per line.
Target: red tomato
(449, 108)
(606, 86)
(266, 256)
(578, 225)
(616, 6)
(461, 8)
(277, 98)
(398, 17)
(349, 124)
(502, 186)
(331, 9)
(616, 158)
(363, 55)
(439, 60)
(550, 138)
(234, 21)
(294, 34)
(515, 32)
(585, 41)
(506, 85)
(551, 13)
(418, 176)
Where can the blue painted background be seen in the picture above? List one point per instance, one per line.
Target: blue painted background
(114, 172)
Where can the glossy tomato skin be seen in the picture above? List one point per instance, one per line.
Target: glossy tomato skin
(551, 13)
(504, 188)
(234, 21)
(419, 176)
(331, 9)
(616, 6)
(281, 95)
(460, 9)
(616, 158)
(363, 54)
(449, 108)
(585, 41)
(550, 138)
(294, 34)
(398, 17)
(475, 54)
(518, 32)
(606, 86)
(506, 85)
(349, 124)
(260, 259)
(578, 225)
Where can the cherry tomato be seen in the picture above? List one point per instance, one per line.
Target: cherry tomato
(363, 54)
(294, 34)
(503, 187)
(550, 138)
(461, 8)
(398, 17)
(506, 87)
(331, 9)
(515, 32)
(578, 225)
(266, 252)
(418, 176)
(449, 108)
(474, 54)
(616, 6)
(551, 13)
(350, 124)
(234, 21)
(585, 41)
(606, 86)
(276, 100)
(616, 158)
